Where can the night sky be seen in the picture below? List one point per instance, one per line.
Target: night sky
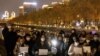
(12, 5)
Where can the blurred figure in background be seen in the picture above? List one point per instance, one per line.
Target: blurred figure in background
(82, 40)
(73, 34)
(6, 39)
(10, 39)
(29, 43)
(60, 46)
(42, 44)
(95, 45)
(65, 46)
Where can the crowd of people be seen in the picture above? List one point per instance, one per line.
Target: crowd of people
(59, 43)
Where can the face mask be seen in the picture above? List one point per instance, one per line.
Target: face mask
(87, 41)
(74, 38)
(76, 43)
(95, 38)
(42, 39)
(83, 39)
(65, 40)
(73, 31)
(21, 41)
(9, 27)
(62, 35)
(28, 38)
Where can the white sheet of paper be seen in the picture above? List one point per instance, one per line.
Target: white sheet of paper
(23, 49)
(87, 49)
(43, 51)
(77, 50)
(53, 50)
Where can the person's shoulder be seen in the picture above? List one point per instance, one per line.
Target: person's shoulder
(72, 45)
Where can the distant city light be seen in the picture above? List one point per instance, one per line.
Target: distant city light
(45, 6)
(78, 16)
(53, 3)
(5, 15)
(13, 15)
(30, 3)
(8, 16)
(77, 24)
(65, 0)
(82, 21)
(21, 7)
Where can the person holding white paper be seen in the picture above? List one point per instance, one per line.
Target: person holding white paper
(42, 47)
(20, 43)
(87, 41)
(75, 49)
(87, 46)
(87, 50)
(29, 43)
